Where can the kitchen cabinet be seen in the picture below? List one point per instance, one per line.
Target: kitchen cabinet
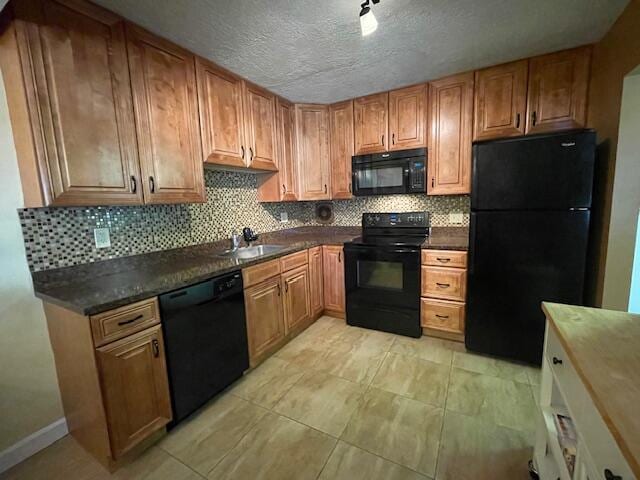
(260, 127)
(501, 101)
(134, 381)
(316, 278)
(221, 115)
(163, 80)
(265, 318)
(443, 291)
(333, 267)
(282, 186)
(297, 306)
(371, 128)
(312, 134)
(451, 123)
(68, 89)
(112, 375)
(407, 117)
(558, 87)
(341, 141)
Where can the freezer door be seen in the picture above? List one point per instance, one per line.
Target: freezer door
(542, 172)
(516, 261)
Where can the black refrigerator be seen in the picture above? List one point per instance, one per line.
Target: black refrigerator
(530, 213)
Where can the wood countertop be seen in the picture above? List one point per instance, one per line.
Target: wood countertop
(604, 348)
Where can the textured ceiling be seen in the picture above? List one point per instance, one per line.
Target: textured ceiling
(312, 51)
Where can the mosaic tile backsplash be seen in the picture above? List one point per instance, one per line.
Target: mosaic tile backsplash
(62, 237)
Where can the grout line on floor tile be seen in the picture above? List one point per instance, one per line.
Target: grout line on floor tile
(182, 463)
(327, 459)
(444, 412)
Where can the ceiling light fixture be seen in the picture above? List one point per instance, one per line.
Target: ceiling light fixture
(368, 22)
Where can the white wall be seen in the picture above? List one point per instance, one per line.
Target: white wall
(29, 395)
(626, 200)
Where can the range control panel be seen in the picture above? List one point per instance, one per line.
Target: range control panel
(405, 219)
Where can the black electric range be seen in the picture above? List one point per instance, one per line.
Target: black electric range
(382, 272)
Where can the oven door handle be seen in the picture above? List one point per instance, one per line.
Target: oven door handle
(382, 249)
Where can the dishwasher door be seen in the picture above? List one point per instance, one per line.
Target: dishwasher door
(205, 336)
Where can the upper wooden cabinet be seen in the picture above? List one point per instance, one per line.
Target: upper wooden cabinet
(341, 140)
(221, 115)
(450, 132)
(260, 127)
(407, 117)
(67, 82)
(501, 101)
(163, 77)
(282, 186)
(371, 123)
(558, 85)
(312, 133)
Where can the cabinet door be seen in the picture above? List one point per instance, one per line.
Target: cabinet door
(282, 186)
(501, 101)
(297, 306)
(558, 85)
(333, 263)
(341, 140)
(451, 122)
(265, 318)
(163, 77)
(76, 82)
(133, 372)
(408, 117)
(221, 115)
(260, 120)
(316, 286)
(371, 127)
(312, 133)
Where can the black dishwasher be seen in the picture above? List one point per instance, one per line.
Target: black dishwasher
(205, 335)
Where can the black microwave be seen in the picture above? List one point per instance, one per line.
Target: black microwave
(403, 171)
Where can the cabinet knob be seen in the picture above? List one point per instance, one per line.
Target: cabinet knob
(242, 150)
(152, 185)
(250, 154)
(156, 348)
(284, 189)
(383, 139)
(534, 118)
(134, 184)
(325, 188)
(517, 120)
(557, 361)
(608, 474)
(393, 139)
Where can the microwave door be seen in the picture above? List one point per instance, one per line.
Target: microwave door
(381, 178)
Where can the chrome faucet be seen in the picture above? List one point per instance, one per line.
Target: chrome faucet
(235, 241)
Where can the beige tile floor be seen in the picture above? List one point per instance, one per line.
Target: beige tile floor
(340, 402)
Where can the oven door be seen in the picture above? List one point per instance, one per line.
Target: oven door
(381, 177)
(383, 288)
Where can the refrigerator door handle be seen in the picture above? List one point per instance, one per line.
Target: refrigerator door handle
(472, 243)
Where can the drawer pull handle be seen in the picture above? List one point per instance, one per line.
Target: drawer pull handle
(608, 474)
(442, 316)
(557, 361)
(156, 348)
(444, 260)
(131, 320)
(443, 285)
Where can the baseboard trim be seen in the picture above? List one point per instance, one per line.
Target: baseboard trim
(32, 444)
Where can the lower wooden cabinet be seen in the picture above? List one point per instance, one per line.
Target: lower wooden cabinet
(334, 296)
(297, 307)
(265, 318)
(443, 291)
(134, 380)
(316, 280)
(112, 376)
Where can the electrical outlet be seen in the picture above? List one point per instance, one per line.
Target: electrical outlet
(455, 218)
(284, 217)
(101, 237)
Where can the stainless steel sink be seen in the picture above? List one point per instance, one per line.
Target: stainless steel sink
(251, 252)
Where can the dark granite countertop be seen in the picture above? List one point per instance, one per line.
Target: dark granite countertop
(96, 287)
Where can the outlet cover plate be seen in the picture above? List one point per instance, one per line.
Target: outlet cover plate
(284, 217)
(455, 218)
(102, 237)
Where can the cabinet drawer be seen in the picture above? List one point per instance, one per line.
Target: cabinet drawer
(293, 260)
(444, 258)
(115, 324)
(442, 315)
(260, 272)
(444, 283)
